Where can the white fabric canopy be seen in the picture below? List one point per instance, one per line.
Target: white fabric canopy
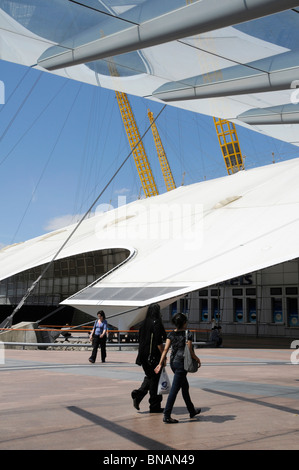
(30, 29)
(181, 241)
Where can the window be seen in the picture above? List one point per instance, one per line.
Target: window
(184, 306)
(291, 291)
(275, 291)
(203, 292)
(63, 278)
(251, 309)
(173, 308)
(237, 291)
(215, 310)
(250, 291)
(277, 313)
(203, 310)
(238, 310)
(292, 311)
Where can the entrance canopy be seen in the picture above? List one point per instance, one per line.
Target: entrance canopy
(220, 58)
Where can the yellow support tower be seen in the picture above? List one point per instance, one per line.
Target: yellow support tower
(229, 143)
(166, 170)
(226, 131)
(137, 147)
(140, 157)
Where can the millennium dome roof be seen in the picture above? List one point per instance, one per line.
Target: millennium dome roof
(180, 241)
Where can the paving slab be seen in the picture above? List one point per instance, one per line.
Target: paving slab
(57, 400)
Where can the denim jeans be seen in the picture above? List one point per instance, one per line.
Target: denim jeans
(179, 382)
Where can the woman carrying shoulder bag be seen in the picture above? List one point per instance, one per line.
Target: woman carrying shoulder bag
(176, 340)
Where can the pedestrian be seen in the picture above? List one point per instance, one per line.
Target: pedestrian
(215, 336)
(177, 340)
(219, 344)
(98, 337)
(66, 333)
(151, 337)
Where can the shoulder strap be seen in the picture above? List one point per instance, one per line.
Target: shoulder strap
(151, 343)
(94, 327)
(186, 335)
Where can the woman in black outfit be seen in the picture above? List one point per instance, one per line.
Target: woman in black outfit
(151, 337)
(177, 340)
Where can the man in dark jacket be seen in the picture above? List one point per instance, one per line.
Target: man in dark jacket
(151, 337)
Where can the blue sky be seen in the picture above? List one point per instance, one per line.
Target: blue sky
(62, 140)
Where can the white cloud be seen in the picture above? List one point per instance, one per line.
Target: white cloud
(63, 221)
(122, 191)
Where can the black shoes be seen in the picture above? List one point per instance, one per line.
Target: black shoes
(91, 360)
(136, 404)
(169, 420)
(135, 401)
(195, 412)
(158, 410)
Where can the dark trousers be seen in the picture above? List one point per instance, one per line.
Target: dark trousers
(179, 382)
(149, 384)
(96, 342)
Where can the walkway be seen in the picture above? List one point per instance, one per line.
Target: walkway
(57, 400)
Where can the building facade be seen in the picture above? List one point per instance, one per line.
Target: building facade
(64, 278)
(263, 303)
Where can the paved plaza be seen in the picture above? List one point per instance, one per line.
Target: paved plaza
(52, 400)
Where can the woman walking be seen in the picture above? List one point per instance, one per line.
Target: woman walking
(151, 337)
(177, 340)
(99, 337)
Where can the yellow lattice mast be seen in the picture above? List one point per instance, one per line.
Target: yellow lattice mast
(140, 157)
(166, 170)
(137, 147)
(226, 130)
(229, 143)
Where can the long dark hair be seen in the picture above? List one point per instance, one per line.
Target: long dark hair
(153, 317)
(102, 313)
(154, 312)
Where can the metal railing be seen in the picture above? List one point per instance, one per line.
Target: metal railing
(116, 338)
(81, 345)
(62, 344)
